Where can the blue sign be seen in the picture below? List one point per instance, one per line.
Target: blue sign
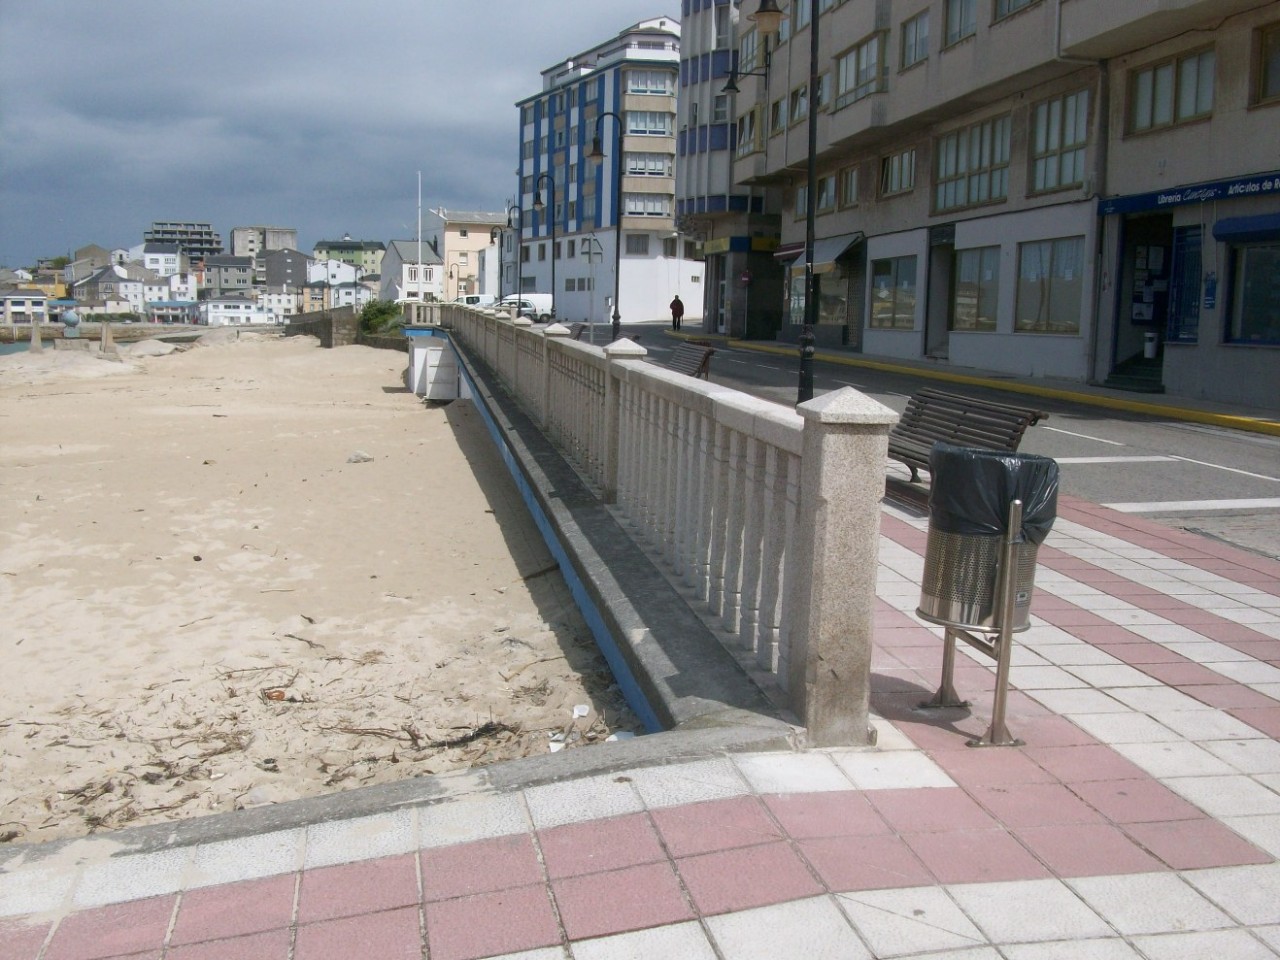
(1263, 183)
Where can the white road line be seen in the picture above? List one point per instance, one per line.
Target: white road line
(1184, 506)
(1151, 459)
(1218, 466)
(1083, 436)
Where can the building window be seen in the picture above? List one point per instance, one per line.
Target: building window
(915, 39)
(823, 99)
(724, 30)
(648, 123)
(650, 81)
(973, 165)
(893, 294)
(648, 205)
(777, 117)
(542, 251)
(463, 232)
(977, 288)
(1060, 132)
(648, 165)
(849, 186)
(826, 193)
(413, 274)
(802, 201)
(1171, 92)
(638, 244)
(1266, 64)
(669, 246)
(898, 173)
(720, 108)
(747, 50)
(1050, 286)
(1006, 7)
(1255, 293)
(462, 257)
(748, 132)
(860, 72)
(962, 20)
(799, 104)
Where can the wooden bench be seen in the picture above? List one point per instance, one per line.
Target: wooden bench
(933, 415)
(693, 358)
(576, 330)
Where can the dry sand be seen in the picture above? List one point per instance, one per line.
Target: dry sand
(207, 605)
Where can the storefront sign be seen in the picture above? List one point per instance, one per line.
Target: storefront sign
(1263, 183)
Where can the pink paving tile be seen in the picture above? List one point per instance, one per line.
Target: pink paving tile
(714, 825)
(234, 909)
(864, 863)
(390, 935)
(353, 888)
(269, 945)
(1136, 801)
(1052, 731)
(1266, 719)
(1184, 674)
(1227, 696)
(948, 731)
(1140, 654)
(1083, 763)
(121, 928)
(968, 766)
(1192, 844)
(22, 939)
(599, 845)
(504, 921)
(974, 856)
(927, 810)
(1086, 849)
(839, 813)
(906, 636)
(748, 877)
(630, 899)
(479, 867)
(1034, 804)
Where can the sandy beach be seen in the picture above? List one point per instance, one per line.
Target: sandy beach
(255, 570)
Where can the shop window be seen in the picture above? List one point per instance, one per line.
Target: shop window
(973, 165)
(893, 294)
(1172, 92)
(977, 288)
(1050, 286)
(1255, 293)
(1266, 65)
(1184, 287)
(1060, 130)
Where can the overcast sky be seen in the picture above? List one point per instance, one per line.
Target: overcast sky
(316, 115)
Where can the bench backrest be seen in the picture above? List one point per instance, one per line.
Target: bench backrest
(576, 330)
(693, 359)
(966, 421)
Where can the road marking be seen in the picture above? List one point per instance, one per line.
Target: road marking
(1151, 459)
(1256, 476)
(1183, 506)
(850, 383)
(1083, 436)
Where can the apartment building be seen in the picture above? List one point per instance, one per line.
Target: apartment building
(412, 271)
(1010, 184)
(459, 236)
(365, 254)
(194, 238)
(255, 241)
(576, 202)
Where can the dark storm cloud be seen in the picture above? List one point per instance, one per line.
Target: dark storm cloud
(314, 115)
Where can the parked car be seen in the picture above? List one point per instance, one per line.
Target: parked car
(476, 299)
(535, 306)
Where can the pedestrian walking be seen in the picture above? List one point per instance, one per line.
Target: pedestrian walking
(677, 312)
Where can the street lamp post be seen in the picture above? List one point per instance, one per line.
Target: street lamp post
(455, 274)
(519, 228)
(805, 389)
(539, 206)
(596, 153)
(495, 239)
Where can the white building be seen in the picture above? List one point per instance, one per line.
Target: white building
(234, 311)
(623, 91)
(411, 271)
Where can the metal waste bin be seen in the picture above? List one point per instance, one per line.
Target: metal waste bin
(969, 516)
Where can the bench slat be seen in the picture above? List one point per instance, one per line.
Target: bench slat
(933, 415)
(693, 359)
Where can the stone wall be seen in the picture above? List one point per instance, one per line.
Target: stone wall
(333, 328)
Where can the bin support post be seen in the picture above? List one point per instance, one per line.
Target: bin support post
(946, 695)
(997, 734)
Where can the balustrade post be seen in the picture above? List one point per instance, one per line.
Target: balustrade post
(624, 349)
(830, 577)
(554, 331)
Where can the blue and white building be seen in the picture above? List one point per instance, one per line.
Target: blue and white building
(633, 76)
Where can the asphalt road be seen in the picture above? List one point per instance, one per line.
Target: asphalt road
(1213, 481)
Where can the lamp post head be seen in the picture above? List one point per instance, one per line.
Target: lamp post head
(768, 17)
(537, 202)
(596, 153)
(731, 85)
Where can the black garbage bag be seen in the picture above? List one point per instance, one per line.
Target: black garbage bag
(971, 489)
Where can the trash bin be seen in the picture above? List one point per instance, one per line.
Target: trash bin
(1149, 345)
(970, 496)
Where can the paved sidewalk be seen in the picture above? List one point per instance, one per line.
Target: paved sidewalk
(1141, 819)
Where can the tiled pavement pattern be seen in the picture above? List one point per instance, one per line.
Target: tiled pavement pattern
(1141, 820)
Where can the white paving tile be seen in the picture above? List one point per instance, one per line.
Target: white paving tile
(683, 940)
(974, 953)
(1262, 832)
(1075, 654)
(245, 858)
(35, 889)
(1081, 700)
(889, 737)
(909, 921)
(1117, 728)
(1251, 672)
(364, 838)
(1202, 725)
(814, 929)
(132, 877)
(674, 784)
(890, 771)
(1233, 796)
(1072, 950)
(1150, 903)
(811, 772)
(1270, 935)
(1156, 699)
(1179, 759)
(576, 801)
(1218, 944)
(1041, 678)
(472, 818)
(546, 953)
(1170, 633)
(1248, 756)
(1027, 910)
(1120, 675)
(1250, 894)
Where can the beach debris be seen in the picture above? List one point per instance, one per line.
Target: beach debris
(581, 710)
(620, 735)
(359, 457)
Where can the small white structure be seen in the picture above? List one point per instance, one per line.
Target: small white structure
(433, 366)
(234, 312)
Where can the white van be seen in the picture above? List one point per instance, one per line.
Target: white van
(535, 306)
(476, 299)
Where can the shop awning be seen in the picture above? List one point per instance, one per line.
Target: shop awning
(827, 251)
(1265, 226)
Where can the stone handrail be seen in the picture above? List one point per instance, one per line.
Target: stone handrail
(769, 516)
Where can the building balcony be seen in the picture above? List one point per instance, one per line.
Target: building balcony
(1098, 29)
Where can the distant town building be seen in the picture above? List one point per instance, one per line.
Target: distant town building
(23, 305)
(459, 236)
(366, 254)
(233, 311)
(196, 239)
(225, 275)
(284, 270)
(255, 241)
(411, 272)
